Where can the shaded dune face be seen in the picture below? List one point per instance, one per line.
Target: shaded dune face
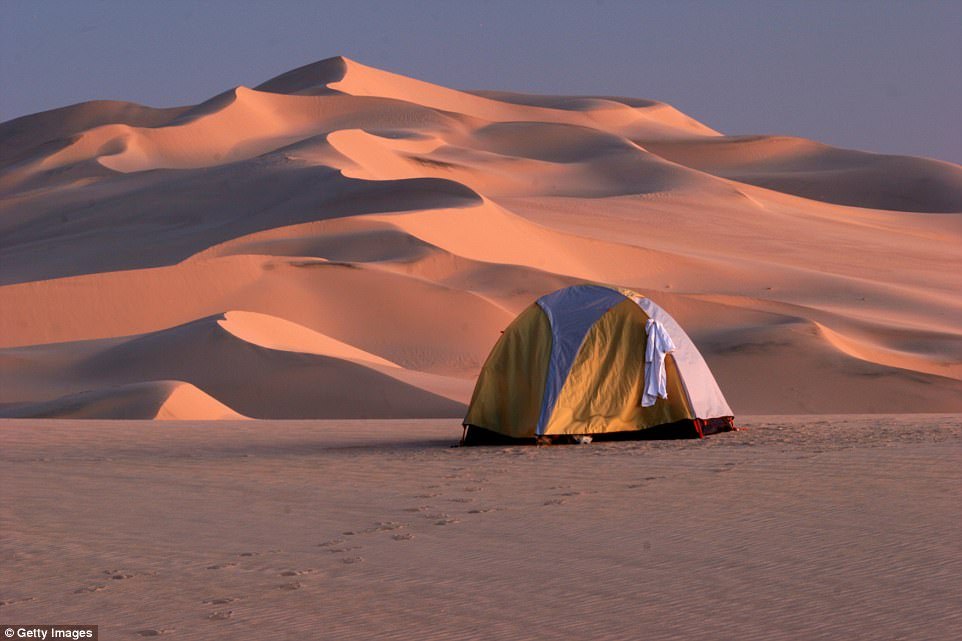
(344, 242)
(819, 172)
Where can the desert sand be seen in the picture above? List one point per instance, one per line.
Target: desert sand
(335, 251)
(344, 242)
(832, 527)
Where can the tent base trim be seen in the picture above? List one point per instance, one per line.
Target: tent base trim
(688, 428)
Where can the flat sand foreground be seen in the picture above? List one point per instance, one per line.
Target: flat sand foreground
(815, 527)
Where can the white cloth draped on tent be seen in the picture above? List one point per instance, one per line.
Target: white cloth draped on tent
(659, 345)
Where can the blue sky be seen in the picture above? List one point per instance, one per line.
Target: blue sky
(880, 76)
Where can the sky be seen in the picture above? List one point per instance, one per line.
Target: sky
(882, 76)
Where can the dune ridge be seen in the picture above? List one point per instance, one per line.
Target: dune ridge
(346, 242)
(159, 400)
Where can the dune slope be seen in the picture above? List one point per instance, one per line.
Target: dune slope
(341, 241)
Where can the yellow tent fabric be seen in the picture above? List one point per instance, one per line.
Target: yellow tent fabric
(603, 390)
(507, 397)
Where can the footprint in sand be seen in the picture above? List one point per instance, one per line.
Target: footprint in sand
(446, 521)
(728, 467)
(89, 588)
(483, 510)
(220, 615)
(119, 576)
(367, 530)
(643, 483)
(387, 526)
(151, 632)
(554, 502)
(345, 548)
(325, 544)
(420, 508)
(352, 559)
(297, 572)
(290, 586)
(221, 566)
(249, 554)
(406, 536)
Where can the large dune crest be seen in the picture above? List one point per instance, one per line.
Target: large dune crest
(343, 241)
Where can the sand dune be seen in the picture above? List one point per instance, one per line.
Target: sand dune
(31, 132)
(277, 333)
(808, 169)
(341, 241)
(236, 359)
(156, 400)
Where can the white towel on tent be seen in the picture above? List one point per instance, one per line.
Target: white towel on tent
(659, 345)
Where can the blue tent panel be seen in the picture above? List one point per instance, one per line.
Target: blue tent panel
(571, 313)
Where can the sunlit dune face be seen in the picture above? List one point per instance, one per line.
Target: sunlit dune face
(340, 241)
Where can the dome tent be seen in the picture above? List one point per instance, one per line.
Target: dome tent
(573, 364)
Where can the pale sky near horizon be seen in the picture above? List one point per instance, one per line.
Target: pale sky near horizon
(883, 76)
